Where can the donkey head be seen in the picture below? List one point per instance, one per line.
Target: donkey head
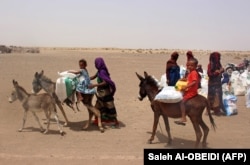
(142, 86)
(36, 82)
(13, 96)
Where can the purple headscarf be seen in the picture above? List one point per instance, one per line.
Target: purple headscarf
(103, 73)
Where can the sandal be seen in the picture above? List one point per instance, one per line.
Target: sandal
(180, 123)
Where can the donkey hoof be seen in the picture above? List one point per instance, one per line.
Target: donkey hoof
(65, 124)
(20, 130)
(102, 130)
(149, 141)
(62, 133)
(45, 122)
(204, 145)
(168, 144)
(42, 130)
(45, 132)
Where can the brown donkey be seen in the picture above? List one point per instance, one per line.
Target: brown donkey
(150, 87)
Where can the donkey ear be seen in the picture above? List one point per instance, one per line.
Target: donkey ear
(139, 76)
(145, 74)
(36, 74)
(15, 82)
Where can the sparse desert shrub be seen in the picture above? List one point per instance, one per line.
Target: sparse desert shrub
(139, 50)
(33, 50)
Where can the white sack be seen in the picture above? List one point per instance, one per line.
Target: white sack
(169, 95)
(163, 81)
(61, 89)
(230, 104)
(67, 74)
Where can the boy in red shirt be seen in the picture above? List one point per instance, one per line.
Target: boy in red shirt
(191, 89)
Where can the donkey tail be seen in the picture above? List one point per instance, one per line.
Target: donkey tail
(210, 115)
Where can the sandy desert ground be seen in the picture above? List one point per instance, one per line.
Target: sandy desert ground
(115, 146)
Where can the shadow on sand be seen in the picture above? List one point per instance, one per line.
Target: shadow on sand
(177, 143)
(53, 131)
(77, 126)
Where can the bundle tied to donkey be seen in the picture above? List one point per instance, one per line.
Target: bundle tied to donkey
(171, 94)
(66, 85)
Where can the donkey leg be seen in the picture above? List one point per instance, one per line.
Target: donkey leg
(77, 106)
(156, 121)
(70, 104)
(37, 119)
(205, 131)
(198, 132)
(97, 114)
(58, 123)
(89, 121)
(47, 114)
(74, 102)
(165, 118)
(24, 120)
(59, 104)
(64, 115)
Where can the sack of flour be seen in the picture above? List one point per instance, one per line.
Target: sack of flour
(65, 87)
(67, 74)
(247, 97)
(204, 87)
(169, 95)
(239, 89)
(163, 81)
(230, 104)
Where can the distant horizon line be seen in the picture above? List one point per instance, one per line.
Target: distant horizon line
(120, 48)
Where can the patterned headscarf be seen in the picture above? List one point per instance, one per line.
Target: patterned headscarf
(103, 73)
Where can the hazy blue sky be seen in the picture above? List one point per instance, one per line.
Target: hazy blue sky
(171, 24)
